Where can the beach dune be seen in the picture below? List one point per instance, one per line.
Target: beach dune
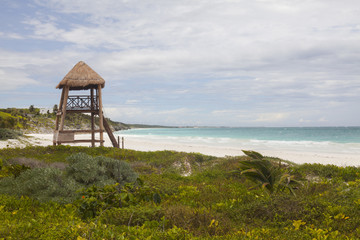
(295, 155)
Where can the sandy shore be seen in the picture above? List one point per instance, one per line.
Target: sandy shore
(294, 155)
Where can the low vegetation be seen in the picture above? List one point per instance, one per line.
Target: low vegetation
(267, 173)
(6, 134)
(50, 183)
(13, 118)
(107, 193)
(31, 120)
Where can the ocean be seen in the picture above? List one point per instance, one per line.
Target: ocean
(315, 134)
(314, 139)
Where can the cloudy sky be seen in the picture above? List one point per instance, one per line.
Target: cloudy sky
(190, 62)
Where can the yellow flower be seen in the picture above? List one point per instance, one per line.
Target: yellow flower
(214, 223)
(297, 224)
(341, 216)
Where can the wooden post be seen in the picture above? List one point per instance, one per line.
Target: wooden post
(63, 110)
(118, 141)
(101, 117)
(58, 116)
(122, 142)
(92, 118)
(59, 109)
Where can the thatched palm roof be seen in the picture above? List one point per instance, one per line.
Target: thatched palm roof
(81, 76)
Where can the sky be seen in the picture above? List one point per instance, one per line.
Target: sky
(190, 62)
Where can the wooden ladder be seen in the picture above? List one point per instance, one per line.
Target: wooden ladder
(109, 132)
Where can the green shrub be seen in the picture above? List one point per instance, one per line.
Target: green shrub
(86, 170)
(95, 199)
(144, 168)
(132, 216)
(213, 203)
(41, 183)
(12, 170)
(27, 218)
(9, 134)
(199, 221)
(328, 171)
(117, 170)
(100, 170)
(49, 183)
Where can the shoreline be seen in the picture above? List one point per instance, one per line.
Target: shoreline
(298, 156)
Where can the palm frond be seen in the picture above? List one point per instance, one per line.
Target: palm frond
(263, 171)
(253, 154)
(254, 175)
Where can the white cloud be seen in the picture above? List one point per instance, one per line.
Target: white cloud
(251, 58)
(225, 111)
(301, 120)
(122, 112)
(45, 30)
(10, 80)
(175, 112)
(322, 119)
(132, 101)
(11, 35)
(212, 37)
(271, 117)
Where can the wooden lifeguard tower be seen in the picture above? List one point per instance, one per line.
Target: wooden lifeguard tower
(81, 77)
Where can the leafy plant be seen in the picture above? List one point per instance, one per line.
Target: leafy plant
(41, 183)
(348, 173)
(135, 215)
(212, 203)
(12, 170)
(94, 199)
(49, 183)
(265, 173)
(86, 170)
(6, 133)
(118, 170)
(97, 199)
(100, 171)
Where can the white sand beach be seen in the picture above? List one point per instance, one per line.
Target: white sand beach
(297, 155)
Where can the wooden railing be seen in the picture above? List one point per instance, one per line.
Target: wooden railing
(82, 103)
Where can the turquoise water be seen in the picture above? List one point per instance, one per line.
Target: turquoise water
(283, 134)
(340, 144)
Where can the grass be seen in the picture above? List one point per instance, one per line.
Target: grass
(214, 202)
